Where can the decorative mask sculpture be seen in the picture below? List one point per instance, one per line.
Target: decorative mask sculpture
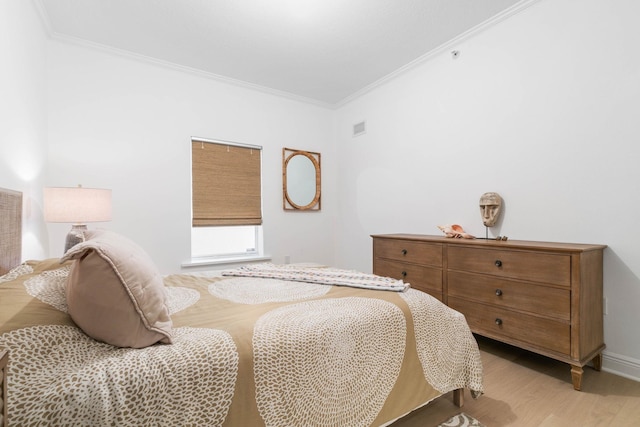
(490, 207)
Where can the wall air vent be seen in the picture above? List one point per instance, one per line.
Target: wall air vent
(359, 128)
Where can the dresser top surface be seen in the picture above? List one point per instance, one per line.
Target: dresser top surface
(495, 244)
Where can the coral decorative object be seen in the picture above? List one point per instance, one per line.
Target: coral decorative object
(455, 231)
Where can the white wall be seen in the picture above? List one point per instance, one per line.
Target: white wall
(23, 146)
(542, 108)
(125, 124)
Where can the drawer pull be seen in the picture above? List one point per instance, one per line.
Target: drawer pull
(498, 321)
(498, 292)
(498, 263)
(404, 274)
(404, 252)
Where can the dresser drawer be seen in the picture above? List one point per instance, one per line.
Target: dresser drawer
(408, 251)
(426, 279)
(520, 296)
(499, 323)
(532, 266)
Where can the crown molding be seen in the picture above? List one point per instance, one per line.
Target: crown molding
(52, 34)
(185, 69)
(44, 16)
(507, 13)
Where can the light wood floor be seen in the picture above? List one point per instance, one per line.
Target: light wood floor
(526, 390)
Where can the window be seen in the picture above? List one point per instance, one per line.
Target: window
(233, 241)
(226, 199)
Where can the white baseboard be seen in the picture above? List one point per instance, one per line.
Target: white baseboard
(621, 365)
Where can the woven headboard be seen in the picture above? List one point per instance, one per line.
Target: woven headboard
(10, 229)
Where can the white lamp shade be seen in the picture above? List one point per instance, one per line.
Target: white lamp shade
(77, 204)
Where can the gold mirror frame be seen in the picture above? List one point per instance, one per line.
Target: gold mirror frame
(287, 201)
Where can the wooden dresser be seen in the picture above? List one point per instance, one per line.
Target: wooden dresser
(540, 296)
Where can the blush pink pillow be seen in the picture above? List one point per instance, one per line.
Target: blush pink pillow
(115, 293)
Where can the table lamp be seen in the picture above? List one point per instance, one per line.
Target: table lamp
(76, 205)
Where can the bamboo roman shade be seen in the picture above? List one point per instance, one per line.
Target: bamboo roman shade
(225, 184)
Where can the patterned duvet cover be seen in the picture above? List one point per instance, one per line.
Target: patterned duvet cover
(247, 351)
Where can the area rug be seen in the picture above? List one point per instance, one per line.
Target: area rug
(461, 420)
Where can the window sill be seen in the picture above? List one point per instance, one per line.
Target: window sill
(203, 262)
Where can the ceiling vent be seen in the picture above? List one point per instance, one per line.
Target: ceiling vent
(359, 128)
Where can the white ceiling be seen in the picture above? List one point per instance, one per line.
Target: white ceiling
(325, 51)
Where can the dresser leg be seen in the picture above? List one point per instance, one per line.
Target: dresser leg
(576, 376)
(458, 397)
(597, 362)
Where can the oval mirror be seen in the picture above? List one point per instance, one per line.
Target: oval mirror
(301, 179)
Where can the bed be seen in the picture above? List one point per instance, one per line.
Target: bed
(272, 345)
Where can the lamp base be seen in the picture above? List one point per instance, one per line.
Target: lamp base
(75, 236)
